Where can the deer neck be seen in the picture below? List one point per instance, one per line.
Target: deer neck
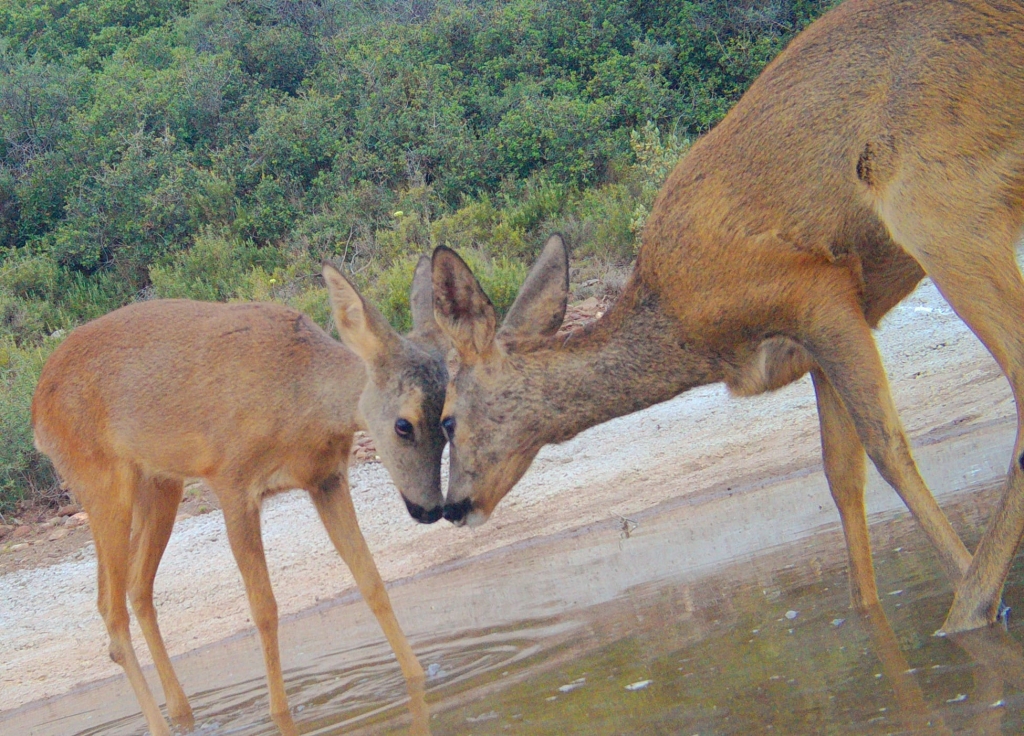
(633, 357)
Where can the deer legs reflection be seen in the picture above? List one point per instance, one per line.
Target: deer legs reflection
(913, 710)
(998, 661)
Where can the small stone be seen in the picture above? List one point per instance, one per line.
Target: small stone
(958, 699)
(55, 521)
(59, 534)
(633, 687)
(575, 684)
(792, 614)
(79, 519)
(22, 531)
(837, 622)
(69, 510)
(16, 547)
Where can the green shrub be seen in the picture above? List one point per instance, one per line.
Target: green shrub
(410, 235)
(499, 277)
(470, 226)
(29, 276)
(539, 201)
(213, 269)
(26, 321)
(270, 212)
(390, 293)
(24, 473)
(656, 155)
(85, 297)
(477, 224)
(607, 224)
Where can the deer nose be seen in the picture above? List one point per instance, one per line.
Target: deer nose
(421, 514)
(456, 512)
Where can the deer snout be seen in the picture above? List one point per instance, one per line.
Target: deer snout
(456, 512)
(464, 513)
(422, 515)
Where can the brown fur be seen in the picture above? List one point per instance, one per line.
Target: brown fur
(255, 399)
(886, 143)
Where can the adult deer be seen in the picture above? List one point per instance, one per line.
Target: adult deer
(885, 143)
(255, 399)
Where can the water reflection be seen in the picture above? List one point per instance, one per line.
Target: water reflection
(1000, 671)
(912, 710)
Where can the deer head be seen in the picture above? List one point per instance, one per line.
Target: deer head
(404, 392)
(493, 411)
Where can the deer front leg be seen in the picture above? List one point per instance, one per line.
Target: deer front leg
(844, 469)
(334, 504)
(841, 343)
(242, 518)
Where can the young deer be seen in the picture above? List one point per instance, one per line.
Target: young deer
(255, 399)
(885, 143)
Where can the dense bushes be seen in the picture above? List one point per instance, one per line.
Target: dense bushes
(221, 150)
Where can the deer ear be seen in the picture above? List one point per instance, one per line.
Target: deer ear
(361, 327)
(540, 307)
(421, 305)
(461, 308)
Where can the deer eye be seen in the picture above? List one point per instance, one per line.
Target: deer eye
(403, 428)
(448, 427)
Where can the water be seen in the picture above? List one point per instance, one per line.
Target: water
(724, 611)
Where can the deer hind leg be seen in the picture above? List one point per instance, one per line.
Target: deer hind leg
(156, 505)
(334, 504)
(242, 517)
(840, 340)
(974, 268)
(109, 506)
(844, 468)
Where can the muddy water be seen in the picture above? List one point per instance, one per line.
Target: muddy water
(724, 612)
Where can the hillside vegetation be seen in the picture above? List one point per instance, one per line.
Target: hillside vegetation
(219, 149)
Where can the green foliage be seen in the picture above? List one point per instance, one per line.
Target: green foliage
(215, 268)
(89, 29)
(29, 276)
(220, 150)
(390, 293)
(23, 471)
(499, 277)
